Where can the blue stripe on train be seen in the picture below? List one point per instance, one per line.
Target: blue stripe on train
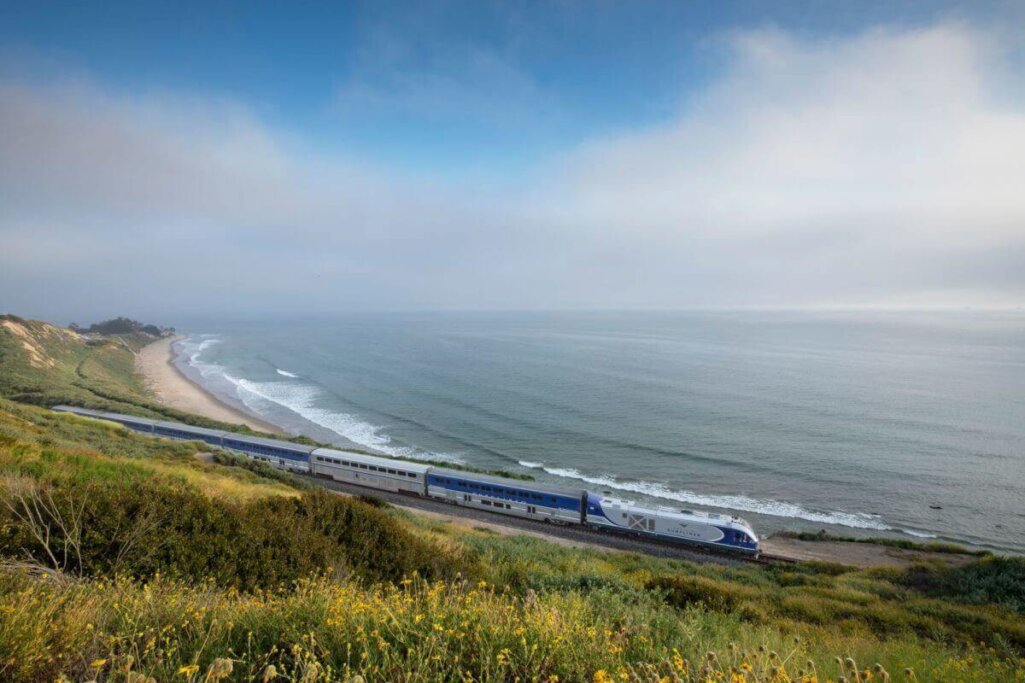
(520, 494)
(264, 450)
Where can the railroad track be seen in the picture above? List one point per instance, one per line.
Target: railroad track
(577, 534)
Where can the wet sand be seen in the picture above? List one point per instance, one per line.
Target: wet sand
(175, 390)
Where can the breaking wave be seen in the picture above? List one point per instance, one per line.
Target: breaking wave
(286, 373)
(302, 399)
(919, 534)
(857, 520)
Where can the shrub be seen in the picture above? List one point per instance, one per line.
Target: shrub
(999, 580)
(113, 527)
(687, 591)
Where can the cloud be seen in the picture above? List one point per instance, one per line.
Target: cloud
(879, 169)
(832, 171)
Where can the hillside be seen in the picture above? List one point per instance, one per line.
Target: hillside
(129, 559)
(46, 365)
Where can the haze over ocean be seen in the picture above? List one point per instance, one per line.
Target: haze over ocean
(860, 423)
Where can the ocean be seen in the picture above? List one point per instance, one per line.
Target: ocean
(910, 425)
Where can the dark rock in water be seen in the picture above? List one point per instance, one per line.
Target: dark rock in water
(936, 507)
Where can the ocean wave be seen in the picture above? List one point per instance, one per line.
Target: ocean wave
(857, 520)
(190, 350)
(532, 465)
(918, 534)
(302, 400)
(286, 373)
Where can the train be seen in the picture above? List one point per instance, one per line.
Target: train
(501, 495)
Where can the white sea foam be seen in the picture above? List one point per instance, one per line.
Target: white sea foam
(302, 399)
(193, 347)
(858, 520)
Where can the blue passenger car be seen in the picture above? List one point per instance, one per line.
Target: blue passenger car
(291, 456)
(139, 424)
(177, 430)
(508, 496)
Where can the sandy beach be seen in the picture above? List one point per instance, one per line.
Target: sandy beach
(175, 390)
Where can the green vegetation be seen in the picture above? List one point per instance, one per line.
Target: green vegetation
(47, 365)
(126, 558)
(994, 580)
(160, 510)
(126, 326)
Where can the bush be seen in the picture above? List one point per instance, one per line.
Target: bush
(999, 580)
(115, 527)
(684, 591)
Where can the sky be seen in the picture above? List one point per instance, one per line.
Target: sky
(162, 160)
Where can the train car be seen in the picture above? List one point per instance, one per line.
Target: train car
(386, 474)
(183, 432)
(78, 411)
(685, 526)
(527, 499)
(284, 455)
(139, 424)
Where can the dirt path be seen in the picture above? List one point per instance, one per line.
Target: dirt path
(861, 555)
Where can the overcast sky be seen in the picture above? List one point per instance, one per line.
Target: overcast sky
(291, 158)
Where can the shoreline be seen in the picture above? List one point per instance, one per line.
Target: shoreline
(174, 389)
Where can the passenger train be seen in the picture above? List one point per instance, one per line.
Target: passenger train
(527, 499)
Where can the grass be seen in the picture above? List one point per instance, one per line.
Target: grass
(55, 447)
(45, 365)
(156, 508)
(324, 629)
(158, 566)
